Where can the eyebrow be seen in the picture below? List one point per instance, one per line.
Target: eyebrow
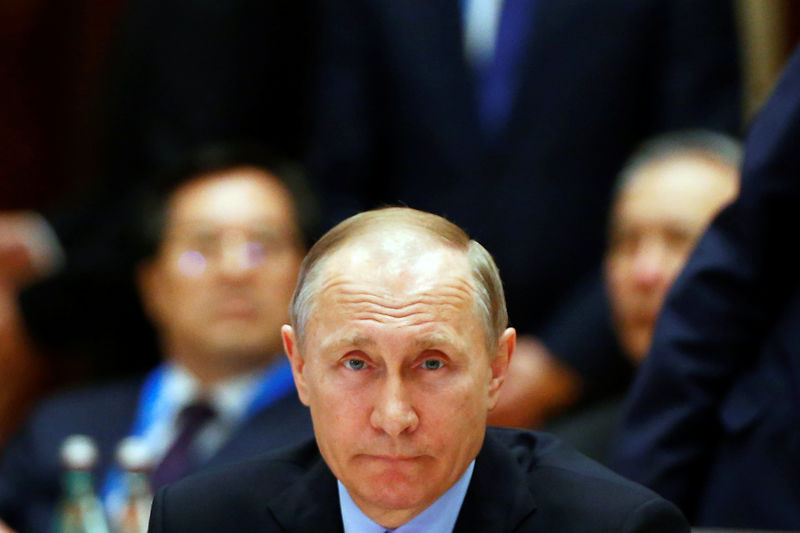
(358, 340)
(432, 340)
(197, 225)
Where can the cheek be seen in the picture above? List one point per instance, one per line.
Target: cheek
(284, 273)
(625, 298)
(617, 276)
(332, 401)
(341, 424)
(179, 298)
(275, 288)
(677, 260)
(455, 410)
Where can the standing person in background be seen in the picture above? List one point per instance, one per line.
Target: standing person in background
(513, 119)
(665, 198)
(712, 420)
(222, 245)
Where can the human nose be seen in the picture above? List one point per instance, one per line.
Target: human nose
(237, 257)
(393, 412)
(649, 263)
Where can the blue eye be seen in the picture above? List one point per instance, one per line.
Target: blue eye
(432, 364)
(355, 364)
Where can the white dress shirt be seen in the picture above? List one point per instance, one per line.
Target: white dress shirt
(481, 22)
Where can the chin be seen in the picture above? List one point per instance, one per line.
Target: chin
(401, 487)
(397, 496)
(242, 350)
(637, 346)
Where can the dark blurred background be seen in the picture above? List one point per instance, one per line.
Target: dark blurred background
(54, 66)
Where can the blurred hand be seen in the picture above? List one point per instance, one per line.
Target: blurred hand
(5, 529)
(536, 388)
(29, 248)
(17, 263)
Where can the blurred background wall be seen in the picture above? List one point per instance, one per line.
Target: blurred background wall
(52, 56)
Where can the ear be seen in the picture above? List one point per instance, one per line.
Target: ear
(296, 360)
(499, 364)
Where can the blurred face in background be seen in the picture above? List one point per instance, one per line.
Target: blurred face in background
(656, 219)
(219, 287)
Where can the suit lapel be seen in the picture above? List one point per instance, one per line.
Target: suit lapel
(311, 504)
(498, 498)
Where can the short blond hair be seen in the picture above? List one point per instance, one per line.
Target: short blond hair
(489, 296)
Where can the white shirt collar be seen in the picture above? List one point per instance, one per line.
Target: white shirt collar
(439, 517)
(178, 387)
(229, 398)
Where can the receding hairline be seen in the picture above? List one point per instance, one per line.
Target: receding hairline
(487, 291)
(710, 147)
(395, 219)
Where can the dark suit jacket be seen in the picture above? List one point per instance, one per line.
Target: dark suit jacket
(590, 429)
(523, 481)
(714, 417)
(397, 122)
(31, 471)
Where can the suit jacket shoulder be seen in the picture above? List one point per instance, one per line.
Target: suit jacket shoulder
(30, 468)
(529, 481)
(287, 490)
(523, 481)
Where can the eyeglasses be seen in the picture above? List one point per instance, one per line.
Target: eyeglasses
(232, 249)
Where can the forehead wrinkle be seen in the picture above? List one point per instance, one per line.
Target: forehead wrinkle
(455, 287)
(364, 303)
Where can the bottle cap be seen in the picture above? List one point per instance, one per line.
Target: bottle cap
(134, 454)
(78, 452)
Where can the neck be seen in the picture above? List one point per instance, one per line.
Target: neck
(211, 369)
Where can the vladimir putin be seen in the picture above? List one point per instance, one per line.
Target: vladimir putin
(399, 345)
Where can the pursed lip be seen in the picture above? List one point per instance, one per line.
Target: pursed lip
(237, 307)
(394, 458)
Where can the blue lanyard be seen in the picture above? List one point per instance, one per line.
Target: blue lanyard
(275, 383)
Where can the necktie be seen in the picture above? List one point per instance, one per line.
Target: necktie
(178, 461)
(498, 78)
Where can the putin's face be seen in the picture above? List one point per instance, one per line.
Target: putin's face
(395, 369)
(656, 220)
(220, 285)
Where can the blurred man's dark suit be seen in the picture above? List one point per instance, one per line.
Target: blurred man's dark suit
(30, 468)
(714, 417)
(397, 122)
(522, 482)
